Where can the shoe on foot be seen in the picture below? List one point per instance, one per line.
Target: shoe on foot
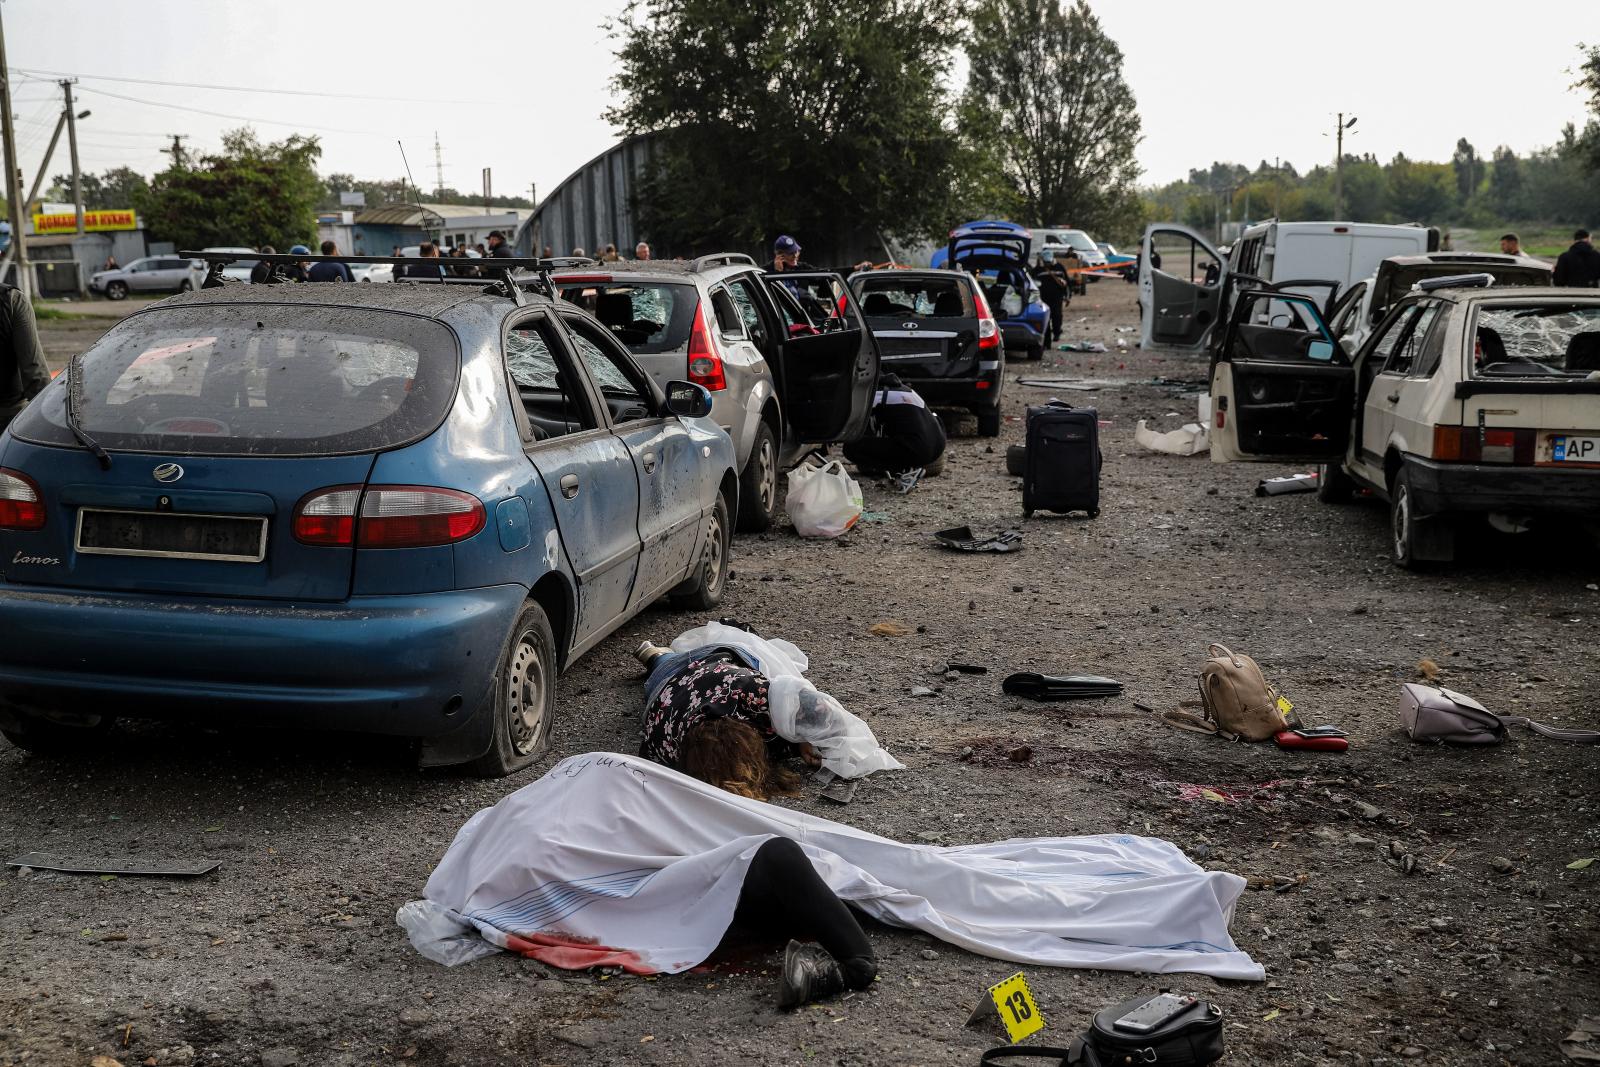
(809, 973)
(648, 653)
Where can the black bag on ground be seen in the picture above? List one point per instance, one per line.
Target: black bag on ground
(1061, 467)
(1190, 1039)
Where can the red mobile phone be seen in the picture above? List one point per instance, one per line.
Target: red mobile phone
(1296, 739)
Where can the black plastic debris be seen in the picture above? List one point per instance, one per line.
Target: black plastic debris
(1060, 687)
(41, 861)
(963, 539)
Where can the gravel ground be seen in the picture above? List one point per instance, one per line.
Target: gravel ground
(1426, 910)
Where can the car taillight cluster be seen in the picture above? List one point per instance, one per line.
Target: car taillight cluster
(705, 366)
(988, 329)
(1474, 444)
(21, 506)
(387, 516)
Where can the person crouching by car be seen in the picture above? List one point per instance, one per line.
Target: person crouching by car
(907, 436)
(23, 372)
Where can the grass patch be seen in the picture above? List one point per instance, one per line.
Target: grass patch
(44, 312)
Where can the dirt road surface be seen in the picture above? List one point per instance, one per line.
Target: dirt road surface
(1484, 953)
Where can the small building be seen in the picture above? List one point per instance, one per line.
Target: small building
(378, 231)
(64, 260)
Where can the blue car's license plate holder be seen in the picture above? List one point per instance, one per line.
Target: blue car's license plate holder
(171, 535)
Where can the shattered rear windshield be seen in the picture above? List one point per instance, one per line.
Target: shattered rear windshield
(648, 317)
(256, 380)
(916, 298)
(1559, 339)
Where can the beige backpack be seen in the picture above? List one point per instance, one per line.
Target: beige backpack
(1238, 701)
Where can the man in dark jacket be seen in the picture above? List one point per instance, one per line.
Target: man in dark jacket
(325, 271)
(1579, 265)
(908, 436)
(23, 373)
(262, 270)
(498, 248)
(1054, 291)
(428, 251)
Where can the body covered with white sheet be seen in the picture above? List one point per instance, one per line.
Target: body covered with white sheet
(615, 860)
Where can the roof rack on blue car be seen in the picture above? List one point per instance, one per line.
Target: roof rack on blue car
(505, 277)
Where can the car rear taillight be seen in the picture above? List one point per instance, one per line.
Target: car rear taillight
(1475, 444)
(21, 506)
(705, 366)
(988, 329)
(387, 516)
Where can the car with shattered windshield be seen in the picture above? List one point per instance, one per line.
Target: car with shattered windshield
(397, 509)
(997, 254)
(936, 332)
(787, 359)
(1469, 401)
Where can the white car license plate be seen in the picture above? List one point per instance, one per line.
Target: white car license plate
(1565, 448)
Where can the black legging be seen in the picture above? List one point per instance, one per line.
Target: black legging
(783, 896)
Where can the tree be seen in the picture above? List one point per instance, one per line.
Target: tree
(819, 118)
(1505, 184)
(118, 187)
(1420, 192)
(1052, 101)
(248, 194)
(1468, 170)
(1589, 82)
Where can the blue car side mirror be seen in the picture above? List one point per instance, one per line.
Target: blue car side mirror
(688, 400)
(1322, 351)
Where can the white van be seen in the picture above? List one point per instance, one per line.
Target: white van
(1184, 280)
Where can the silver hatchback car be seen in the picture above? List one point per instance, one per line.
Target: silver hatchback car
(786, 357)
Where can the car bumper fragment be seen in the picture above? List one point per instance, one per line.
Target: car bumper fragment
(1439, 488)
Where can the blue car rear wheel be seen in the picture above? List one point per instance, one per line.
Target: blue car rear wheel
(523, 694)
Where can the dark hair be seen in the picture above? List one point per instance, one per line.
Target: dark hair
(427, 248)
(1581, 235)
(1510, 237)
(496, 233)
(731, 755)
(328, 248)
(267, 250)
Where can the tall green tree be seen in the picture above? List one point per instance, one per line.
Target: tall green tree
(820, 118)
(249, 193)
(1420, 192)
(1505, 184)
(116, 188)
(1046, 90)
(1468, 170)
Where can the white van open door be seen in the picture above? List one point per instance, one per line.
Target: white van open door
(1181, 283)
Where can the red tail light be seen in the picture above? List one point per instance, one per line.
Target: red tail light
(988, 329)
(387, 516)
(21, 506)
(705, 366)
(1470, 444)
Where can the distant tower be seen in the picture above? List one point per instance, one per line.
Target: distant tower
(438, 168)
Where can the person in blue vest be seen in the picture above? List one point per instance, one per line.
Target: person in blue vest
(326, 271)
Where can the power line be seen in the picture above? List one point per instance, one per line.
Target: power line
(26, 72)
(225, 115)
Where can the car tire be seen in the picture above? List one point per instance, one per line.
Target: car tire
(1334, 486)
(523, 697)
(47, 737)
(1016, 457)
(1035, 353)
(186, 286)
(116, 290)
(989, 420)
(758, 483)
(704, 589)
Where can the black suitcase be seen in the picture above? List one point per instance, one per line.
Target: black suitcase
(1061, 468)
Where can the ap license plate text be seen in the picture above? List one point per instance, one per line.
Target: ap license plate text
(1568, 449)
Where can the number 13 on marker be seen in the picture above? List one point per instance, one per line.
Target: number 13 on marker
(1017, 1009)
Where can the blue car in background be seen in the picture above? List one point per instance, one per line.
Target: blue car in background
(396, 509)
(997, 252)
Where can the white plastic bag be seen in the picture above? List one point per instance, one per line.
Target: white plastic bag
(823, 501)
(800, 711)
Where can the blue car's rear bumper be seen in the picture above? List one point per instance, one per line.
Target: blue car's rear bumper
(415, 665)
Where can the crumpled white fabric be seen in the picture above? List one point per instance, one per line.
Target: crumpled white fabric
(800, 711)
(615, 860)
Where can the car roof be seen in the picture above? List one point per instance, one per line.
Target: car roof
(1518, 293)
(911, 272)
(1473, 258)
(419, 298)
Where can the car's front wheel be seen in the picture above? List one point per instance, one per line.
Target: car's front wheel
(703, 589)
(116, 290)
(758, 483)
(49, 737)
(522, 697)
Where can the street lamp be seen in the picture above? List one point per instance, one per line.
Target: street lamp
(1338, 165)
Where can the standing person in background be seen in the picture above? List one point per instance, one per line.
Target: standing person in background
(1578, 266)
(1511, 245)
(296, 272)
(579, 252)
(641, 251)
(420, 269)
(547, 253)
(609, 254)
(786, 256)
(262, 271)
(498, 249)
(23, 371)
(324, 271)
(1054, 291)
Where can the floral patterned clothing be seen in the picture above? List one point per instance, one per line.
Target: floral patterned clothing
(716, 686)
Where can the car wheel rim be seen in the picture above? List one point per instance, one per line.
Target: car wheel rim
(525, 695)
(714, 551)
(769, 477)
(1402, 522)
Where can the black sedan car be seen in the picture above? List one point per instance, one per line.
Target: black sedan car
(935, 330)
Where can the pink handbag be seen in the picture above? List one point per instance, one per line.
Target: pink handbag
(1440, 714)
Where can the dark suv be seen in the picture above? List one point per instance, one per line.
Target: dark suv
(936, 331)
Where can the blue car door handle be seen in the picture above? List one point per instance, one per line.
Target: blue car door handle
(569, 486)
(649, 459)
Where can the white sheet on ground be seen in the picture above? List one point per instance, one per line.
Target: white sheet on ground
(609, 851)
(800, 711)
(1190, 440)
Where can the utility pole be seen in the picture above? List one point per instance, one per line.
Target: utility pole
(72, 145)
(8, 140)
(1338, 166)
(179, 157)
(488, 189)
(438, 168)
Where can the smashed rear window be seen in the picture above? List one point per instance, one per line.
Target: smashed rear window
(648, 317)
(265, 380)
(1558, 339)
(915, 298)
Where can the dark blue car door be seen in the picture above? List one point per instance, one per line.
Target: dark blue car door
(666, 461)
(587, 472)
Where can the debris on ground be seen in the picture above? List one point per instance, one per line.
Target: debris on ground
(889, 628)
(43, 861)
(1278, 883)
(1294, 483)
(1060, 687)
(1081, 346)
(963, 539)
(1582, 1045)
(1189, 440)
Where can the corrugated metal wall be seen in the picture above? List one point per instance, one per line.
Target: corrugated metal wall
(591, 208)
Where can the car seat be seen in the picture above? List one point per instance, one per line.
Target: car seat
(615, 311)
(948, 305)
(1583, 352)
(878, 304)
(1491, 349)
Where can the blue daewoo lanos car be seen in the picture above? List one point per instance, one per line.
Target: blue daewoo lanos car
(997, 253)
(398, 509)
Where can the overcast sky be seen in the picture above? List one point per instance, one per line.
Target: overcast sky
(1237, 80)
